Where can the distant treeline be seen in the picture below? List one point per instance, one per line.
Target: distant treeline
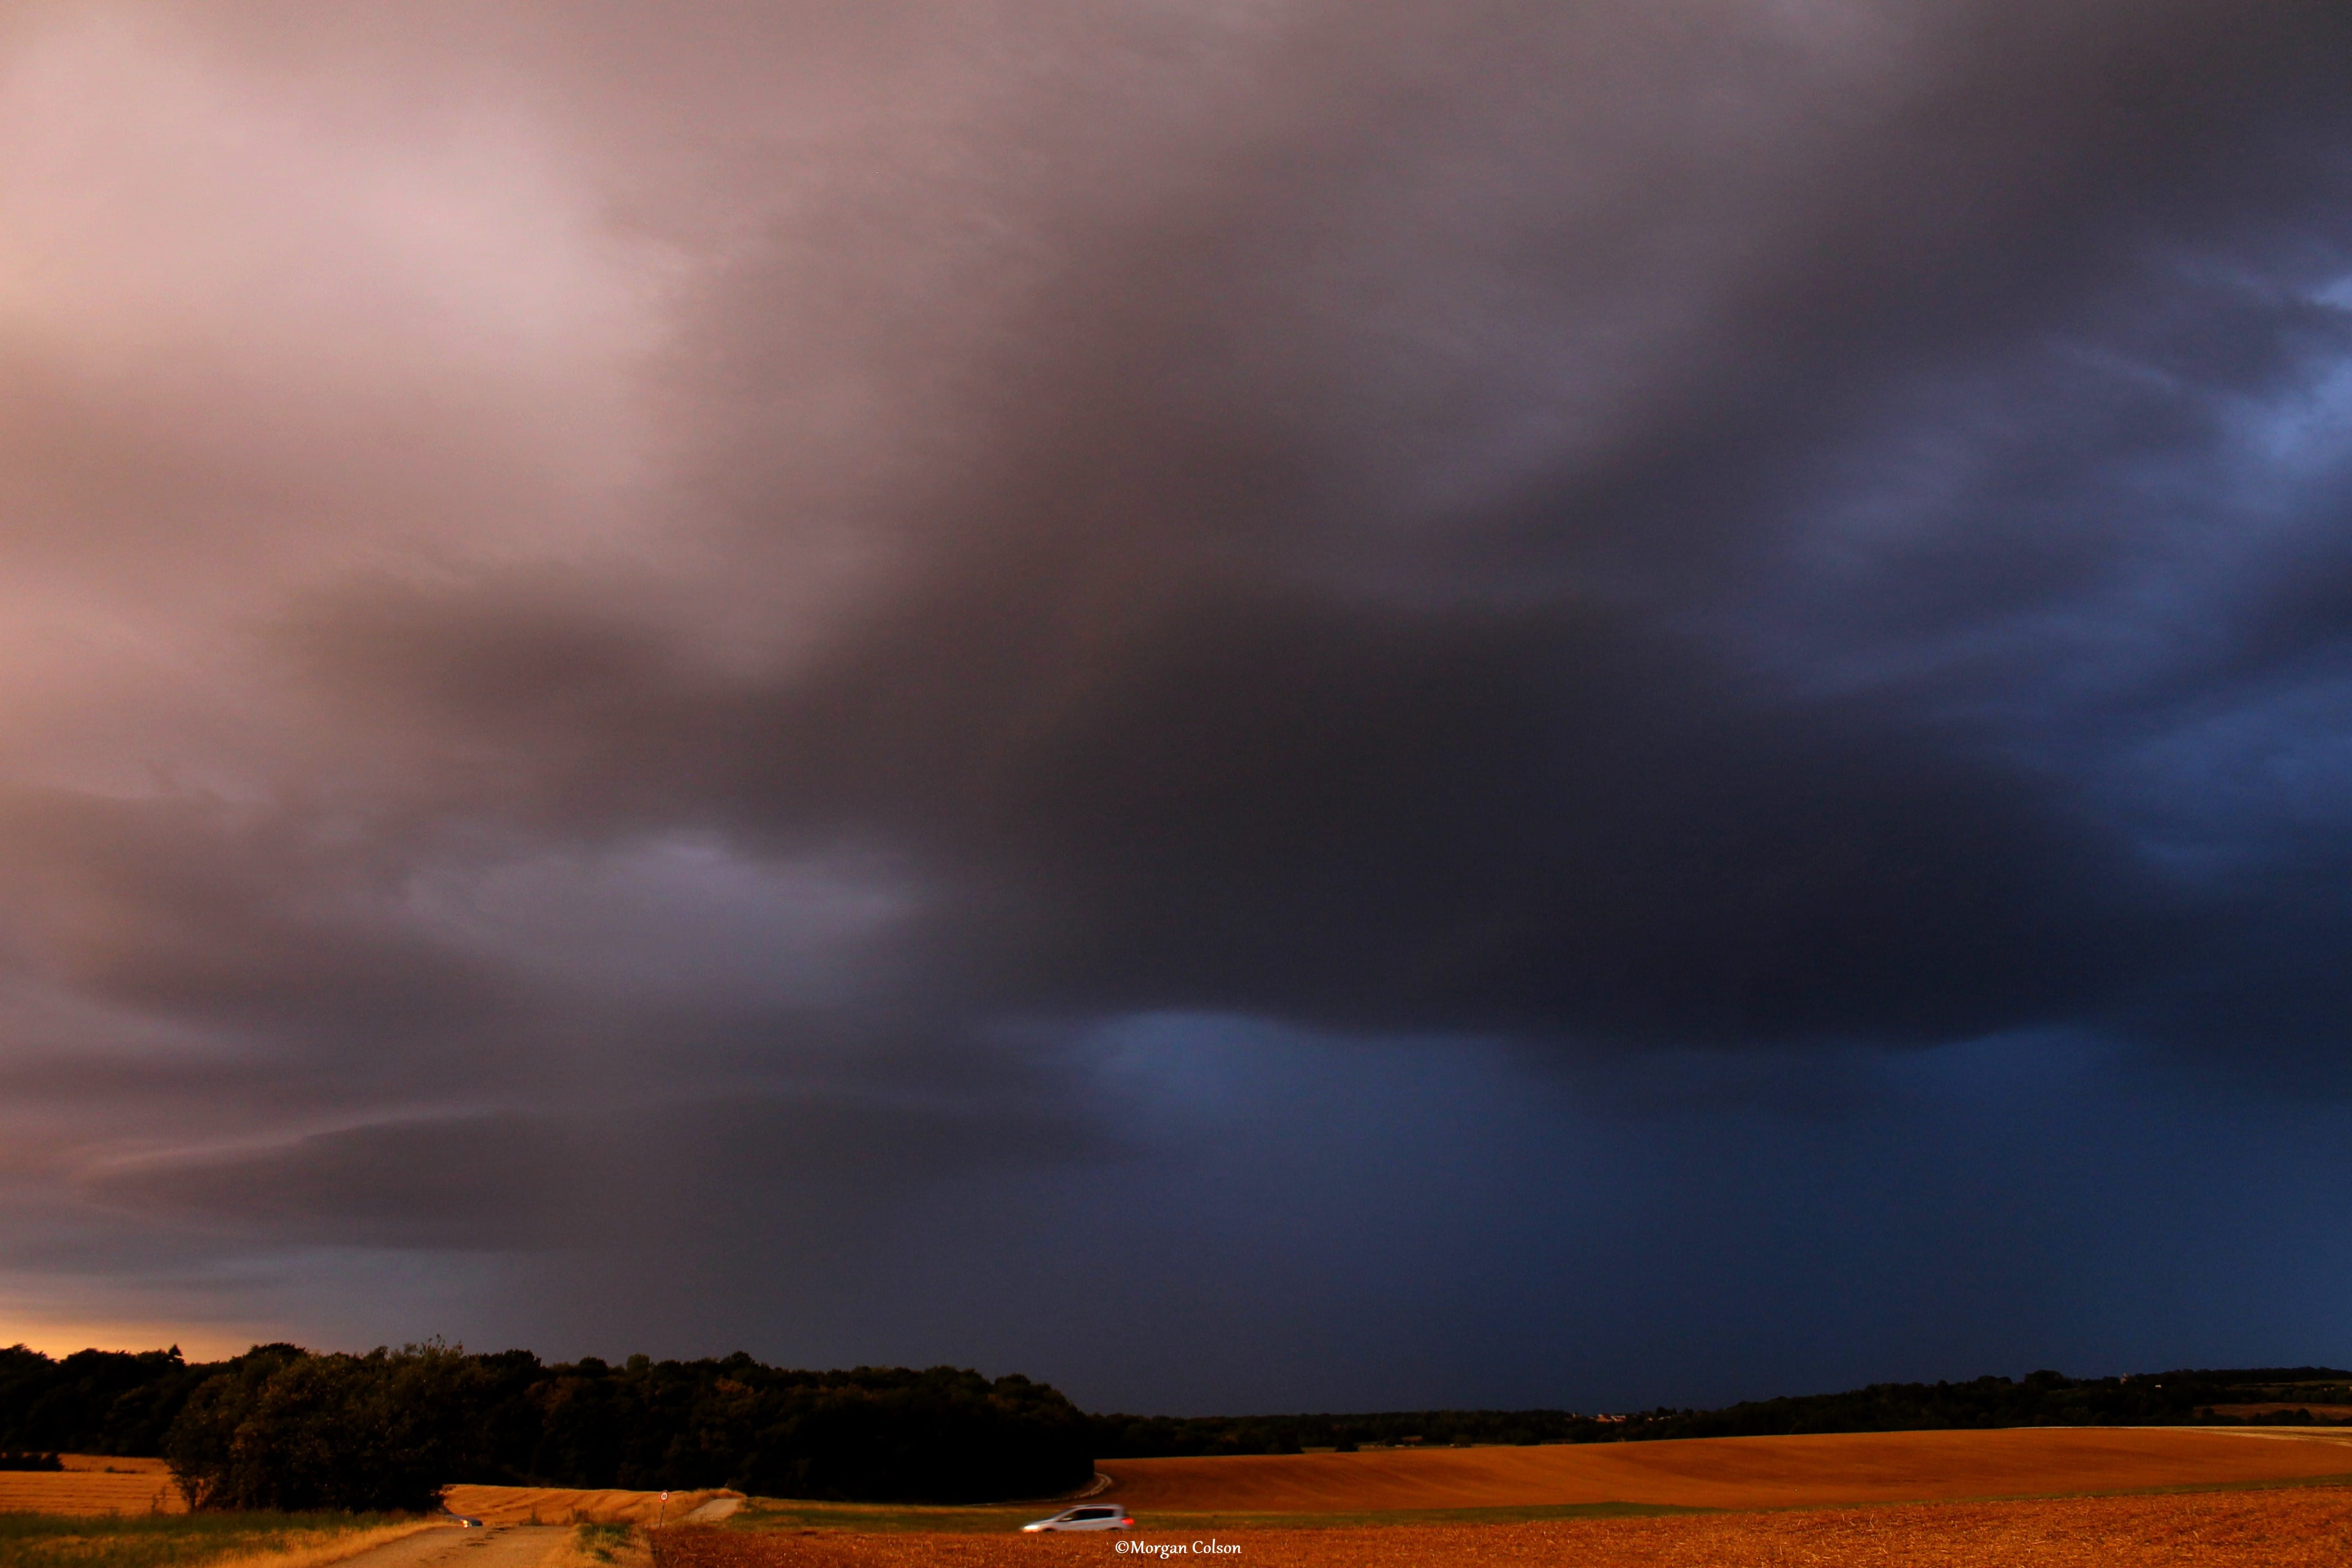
(2043, 1399)
(281, 1427)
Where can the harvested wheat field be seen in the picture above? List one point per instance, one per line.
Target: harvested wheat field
(562, 1505)
(1733, 1472)
(91, 1484)
(2301, 1527)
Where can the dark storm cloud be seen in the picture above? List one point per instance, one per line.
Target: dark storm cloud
(681, 620)
(1376, 816)
(1171, 713)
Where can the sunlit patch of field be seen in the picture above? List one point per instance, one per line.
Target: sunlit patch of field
(1733, 1472)
(2293, 1527)
(92, 1484)
(194, 1541)
(566, 1505)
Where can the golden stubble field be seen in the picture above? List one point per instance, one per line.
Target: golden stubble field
(1735, 1472)
(92, 1484)
(2296, 1526)
(1869, 1499)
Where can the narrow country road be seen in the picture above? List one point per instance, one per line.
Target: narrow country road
(450, 1546)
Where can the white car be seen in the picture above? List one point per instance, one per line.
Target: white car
(1089, 1515)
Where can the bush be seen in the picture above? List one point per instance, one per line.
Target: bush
(603, 1542)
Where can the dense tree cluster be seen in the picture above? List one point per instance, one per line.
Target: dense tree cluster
(94, 1402)
(279, 1427)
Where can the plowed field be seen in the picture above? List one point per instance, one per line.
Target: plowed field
(1731, 1472)
(2301, 1527)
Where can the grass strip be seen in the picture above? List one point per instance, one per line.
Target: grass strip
(188, 1540)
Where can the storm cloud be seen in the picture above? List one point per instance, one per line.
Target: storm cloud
(755, 658)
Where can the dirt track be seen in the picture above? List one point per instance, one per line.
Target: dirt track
(1732, 1472)
(447, 1546)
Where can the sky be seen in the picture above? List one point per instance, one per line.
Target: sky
(1250, 705)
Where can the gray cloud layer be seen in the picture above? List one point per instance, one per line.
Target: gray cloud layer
(683, 615)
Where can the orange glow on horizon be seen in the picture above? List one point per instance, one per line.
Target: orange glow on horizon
(59, 1339)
